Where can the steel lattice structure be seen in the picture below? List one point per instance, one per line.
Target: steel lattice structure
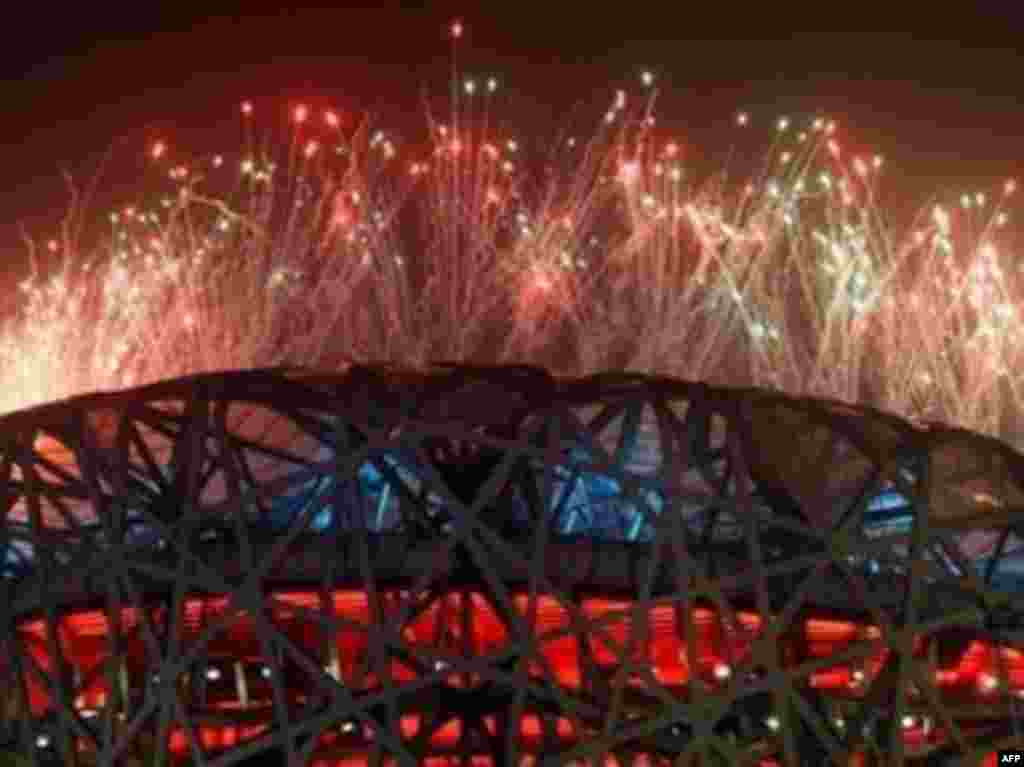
(494, 567)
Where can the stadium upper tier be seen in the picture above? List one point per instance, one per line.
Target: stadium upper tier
(371, 450)
(526, 495)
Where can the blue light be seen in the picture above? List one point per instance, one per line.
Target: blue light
(888, 500)
(889, 511)
(596, 505)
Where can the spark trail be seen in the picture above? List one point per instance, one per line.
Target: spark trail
(606, 251)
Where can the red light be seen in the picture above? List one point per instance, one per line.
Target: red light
(819, 630)
(448, 734)
(305, 599)
(439, 627)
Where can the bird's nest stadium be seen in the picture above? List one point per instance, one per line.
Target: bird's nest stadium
(493, 567)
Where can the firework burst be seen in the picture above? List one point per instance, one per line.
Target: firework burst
(601, 252)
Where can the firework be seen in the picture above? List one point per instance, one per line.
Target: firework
(608, 251)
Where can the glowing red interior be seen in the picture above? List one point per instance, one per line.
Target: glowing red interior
(448, 628)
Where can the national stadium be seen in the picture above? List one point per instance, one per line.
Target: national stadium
(492, 566)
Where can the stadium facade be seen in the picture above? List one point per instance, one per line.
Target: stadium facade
(490, 566)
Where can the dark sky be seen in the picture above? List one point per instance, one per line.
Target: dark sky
(938, 91)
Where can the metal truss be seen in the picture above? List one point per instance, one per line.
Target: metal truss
(490, 566)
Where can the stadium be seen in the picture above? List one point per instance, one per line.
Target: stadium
(493, 566)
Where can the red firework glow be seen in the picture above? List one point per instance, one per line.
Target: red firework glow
(345, 243)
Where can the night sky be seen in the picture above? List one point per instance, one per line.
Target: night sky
(939, 92)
